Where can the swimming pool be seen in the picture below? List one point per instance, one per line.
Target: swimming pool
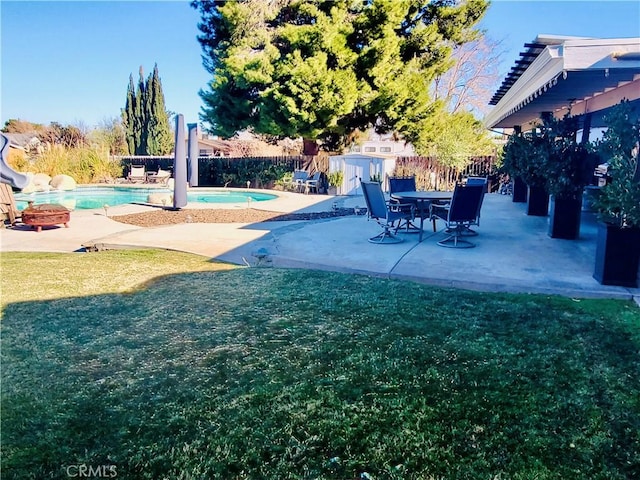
(98, 197)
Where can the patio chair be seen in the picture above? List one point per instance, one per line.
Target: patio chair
(463, 211)
(137, 174)
(386, 214)
(469, 181)
(406, 184)
(312, 183)
(298, 180)
(161, 177)
(476, 181)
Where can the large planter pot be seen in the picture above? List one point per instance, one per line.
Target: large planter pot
(519, 190)
(617, 255)
(565, 216)
(538, 202)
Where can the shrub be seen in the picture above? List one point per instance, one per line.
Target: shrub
(336, 178)
(18, 160)
(84, 164)
(619, 200)
(526, 155)
(569, 166)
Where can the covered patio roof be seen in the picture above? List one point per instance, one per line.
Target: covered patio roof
(559, 74)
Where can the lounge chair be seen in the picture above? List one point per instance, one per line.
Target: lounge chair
(463, 211)
(386, 214)
(312, 183)
(137, 174)
(298, 180)
(161, 177)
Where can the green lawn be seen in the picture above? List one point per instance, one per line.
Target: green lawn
(211, 372)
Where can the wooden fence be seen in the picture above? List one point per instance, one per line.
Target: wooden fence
(432, 175)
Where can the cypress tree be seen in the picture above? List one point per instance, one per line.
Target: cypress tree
(140, 117)
(128, 117)
(159, 137)
(145, 118)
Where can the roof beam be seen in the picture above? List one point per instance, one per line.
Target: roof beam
(628, 91)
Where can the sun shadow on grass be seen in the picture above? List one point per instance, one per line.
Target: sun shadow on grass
(268, 373)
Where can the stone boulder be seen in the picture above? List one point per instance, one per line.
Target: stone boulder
(38, 182)
(69, 204)
(41, 180)
(160, 199)
(63, 182)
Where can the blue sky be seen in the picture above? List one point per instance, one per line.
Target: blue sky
(70, 61)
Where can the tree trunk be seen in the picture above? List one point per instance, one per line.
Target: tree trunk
(310, 147)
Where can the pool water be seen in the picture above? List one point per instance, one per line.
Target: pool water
(98, 197)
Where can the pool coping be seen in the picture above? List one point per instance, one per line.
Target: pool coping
(280, 195)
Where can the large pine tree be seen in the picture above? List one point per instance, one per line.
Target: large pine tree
(145, 118)
(323, 69)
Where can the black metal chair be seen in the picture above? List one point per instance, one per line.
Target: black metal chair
(405, 184)
(386, 214)
(476, 181)
(402, 184)
(463, 211)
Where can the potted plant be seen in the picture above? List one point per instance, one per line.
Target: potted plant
(618, 205)
(569, 168)
(528, 154)
(335, 180)
(512, 154)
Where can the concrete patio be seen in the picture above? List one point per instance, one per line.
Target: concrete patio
(513, 252)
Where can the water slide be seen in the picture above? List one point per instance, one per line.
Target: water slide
(8, 174)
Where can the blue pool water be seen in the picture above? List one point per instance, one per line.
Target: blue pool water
(98, 197)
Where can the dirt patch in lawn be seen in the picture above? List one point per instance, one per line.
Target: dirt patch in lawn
(239, 215)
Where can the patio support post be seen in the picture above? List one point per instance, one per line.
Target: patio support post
(586, 128)
(180, 166)
(193, 152)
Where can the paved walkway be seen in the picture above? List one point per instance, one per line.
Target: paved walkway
(513, 252)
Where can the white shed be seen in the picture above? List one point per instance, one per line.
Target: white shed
(356, 166)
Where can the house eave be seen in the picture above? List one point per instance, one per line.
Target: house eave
(567, 75)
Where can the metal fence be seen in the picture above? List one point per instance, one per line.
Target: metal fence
(263, 172)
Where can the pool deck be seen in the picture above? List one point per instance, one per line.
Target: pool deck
(513, 252)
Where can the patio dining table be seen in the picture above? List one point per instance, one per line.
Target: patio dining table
(422, 199)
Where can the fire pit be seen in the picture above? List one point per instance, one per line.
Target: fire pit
(45, 215)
